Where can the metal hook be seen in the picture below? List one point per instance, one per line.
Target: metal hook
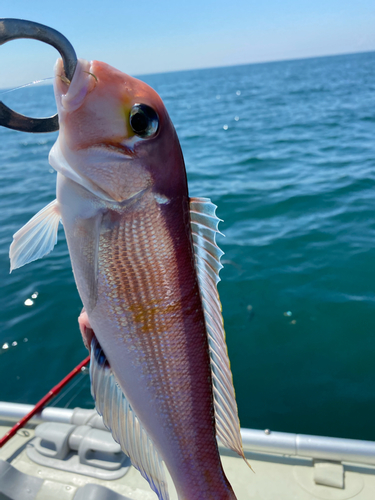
(12, 29)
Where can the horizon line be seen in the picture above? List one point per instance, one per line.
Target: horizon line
(271, 61)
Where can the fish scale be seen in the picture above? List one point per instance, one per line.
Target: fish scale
(143, 273)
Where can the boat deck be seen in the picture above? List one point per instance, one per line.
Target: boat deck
(276, 476)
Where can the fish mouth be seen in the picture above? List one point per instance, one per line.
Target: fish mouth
(71, 94)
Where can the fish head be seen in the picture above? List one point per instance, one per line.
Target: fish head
(116, 137)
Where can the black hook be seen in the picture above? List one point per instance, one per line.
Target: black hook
(12, 29)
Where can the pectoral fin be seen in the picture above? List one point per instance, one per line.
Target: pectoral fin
(37, 238)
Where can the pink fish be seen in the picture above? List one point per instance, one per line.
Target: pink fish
(146, 265)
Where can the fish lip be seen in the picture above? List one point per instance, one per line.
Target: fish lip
(70, 96)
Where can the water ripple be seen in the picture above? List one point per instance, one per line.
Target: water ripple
(287, 152)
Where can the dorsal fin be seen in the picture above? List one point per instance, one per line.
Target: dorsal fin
(204, 226)
(121, 420)
(36, 238)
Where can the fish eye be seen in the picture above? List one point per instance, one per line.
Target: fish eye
(144, 121)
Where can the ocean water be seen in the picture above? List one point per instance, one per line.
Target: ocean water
(287, 152)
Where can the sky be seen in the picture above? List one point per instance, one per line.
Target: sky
(149, 36)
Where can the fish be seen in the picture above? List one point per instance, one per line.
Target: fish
(146, 264)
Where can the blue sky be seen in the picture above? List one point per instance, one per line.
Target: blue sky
(146, 36)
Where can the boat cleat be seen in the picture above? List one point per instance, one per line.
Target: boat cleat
(78, 448)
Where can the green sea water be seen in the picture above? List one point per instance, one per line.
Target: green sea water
(287, 152)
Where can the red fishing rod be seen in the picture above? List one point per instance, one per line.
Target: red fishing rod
(45, 399)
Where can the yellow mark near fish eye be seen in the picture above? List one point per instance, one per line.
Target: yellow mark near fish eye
(92, 74)
(125, 112)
